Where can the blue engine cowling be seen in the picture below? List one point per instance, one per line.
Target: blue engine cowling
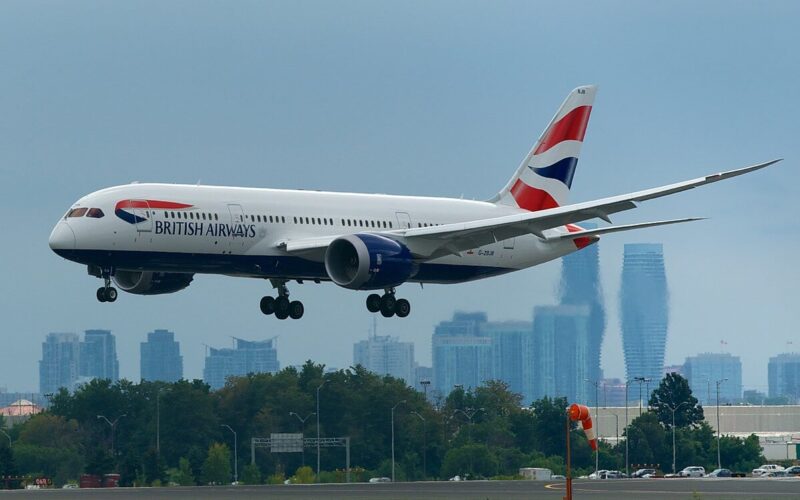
(368, 262)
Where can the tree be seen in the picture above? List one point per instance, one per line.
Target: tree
(251, 474)
(674, 393)
(475, 460)
(183, 475)
(217, 467)
(7, 465)
(548, 425)
(648, 441)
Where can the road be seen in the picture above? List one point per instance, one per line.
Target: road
(651, 489)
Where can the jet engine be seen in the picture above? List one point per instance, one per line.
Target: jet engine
(368, 262)
(151, 283)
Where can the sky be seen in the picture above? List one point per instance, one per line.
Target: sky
(415, 97)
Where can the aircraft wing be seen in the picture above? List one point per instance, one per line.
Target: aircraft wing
(436, 241)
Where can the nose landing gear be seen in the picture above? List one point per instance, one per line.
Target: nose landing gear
(388, 305)
(280, 306)
(106, 293)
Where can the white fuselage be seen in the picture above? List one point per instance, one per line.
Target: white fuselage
(239, 231)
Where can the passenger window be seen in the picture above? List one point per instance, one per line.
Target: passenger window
(95, 213)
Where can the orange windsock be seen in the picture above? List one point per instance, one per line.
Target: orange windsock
(581, 412)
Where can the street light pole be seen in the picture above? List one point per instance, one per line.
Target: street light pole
(627, 431)
(393, 408)
(318, 388)
(673, 431)
(158, 421)
(425, 383)
(113, 427)
(470, 414)
(302, 430)
(719, 456)
(596, 384)
(235, 454)
(425, 446)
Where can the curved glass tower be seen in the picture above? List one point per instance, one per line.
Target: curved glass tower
(644, 310)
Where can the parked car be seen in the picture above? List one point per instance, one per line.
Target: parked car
(776, 473)
(600, 474)
(644, 472)
(793, 470)
(380, 480)
(719, 473)
(613, 474)
(766, 468)
(693, 471)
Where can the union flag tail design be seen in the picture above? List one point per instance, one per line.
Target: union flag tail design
(545, 176)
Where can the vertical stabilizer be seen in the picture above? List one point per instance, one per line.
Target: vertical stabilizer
(544, 178)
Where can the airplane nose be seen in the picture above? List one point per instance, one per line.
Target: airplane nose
(62, 237)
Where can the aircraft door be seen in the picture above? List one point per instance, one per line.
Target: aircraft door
(142, 215)
(237, 239)
(403, 220)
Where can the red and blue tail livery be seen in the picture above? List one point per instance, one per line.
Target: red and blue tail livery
(137, 211)
(545, 177)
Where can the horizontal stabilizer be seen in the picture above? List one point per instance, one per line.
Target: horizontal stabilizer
(616, 229)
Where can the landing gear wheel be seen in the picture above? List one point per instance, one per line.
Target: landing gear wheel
(402, 308)
(101, 294)
(267, 305)
(281, 308)
(296, 309)
(111, 294)
(373, 302)
(388, 304)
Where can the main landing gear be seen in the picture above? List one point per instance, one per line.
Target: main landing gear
(106, 293)
(388, 305)
(280, 305)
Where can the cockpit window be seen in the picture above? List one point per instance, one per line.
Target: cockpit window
(77, 212)
(95, 213)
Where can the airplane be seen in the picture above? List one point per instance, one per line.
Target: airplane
(153, 238)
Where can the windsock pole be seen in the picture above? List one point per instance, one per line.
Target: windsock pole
(569, 471)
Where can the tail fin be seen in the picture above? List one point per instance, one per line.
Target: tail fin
(545, 176)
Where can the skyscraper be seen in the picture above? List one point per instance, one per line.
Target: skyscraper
(60, 364)
(644, 310)
(512, 355)
(98, 355)
(462, 354)
(580, 285)
(247, 357)
(386, 355)
(161, 357)
(561, 351)
(784, 377)
(702, 372)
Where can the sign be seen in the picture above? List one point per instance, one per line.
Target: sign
(286, 443)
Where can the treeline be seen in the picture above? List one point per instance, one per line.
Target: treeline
(155, 433)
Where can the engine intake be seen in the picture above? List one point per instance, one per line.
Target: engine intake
(368, 262)
(151, 283)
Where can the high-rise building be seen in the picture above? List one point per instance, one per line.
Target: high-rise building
(386, 355)
(98, 356)
(704, 370)
(247, 357)
(462, 354)
(784, 377)
(561, 351)
(161, 357)
(644, 310)
(512, 355)
(580, 285)
(60, 364)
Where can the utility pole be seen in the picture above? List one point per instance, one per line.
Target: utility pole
(673, 431)
(393, 408)
(627, 433)
(235, 454)
(425, 446)
(318, 388)
(113, 427)
(719, 456)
